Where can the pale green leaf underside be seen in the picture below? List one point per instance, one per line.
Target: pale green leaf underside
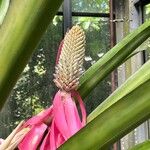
(142, 146)
(4, 4)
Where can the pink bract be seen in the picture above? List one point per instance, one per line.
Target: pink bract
(55, 125)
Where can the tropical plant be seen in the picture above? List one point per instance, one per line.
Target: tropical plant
(121, 112)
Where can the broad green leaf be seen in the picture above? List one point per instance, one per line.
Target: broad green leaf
(113, 58)
(121, 115)
(140, 77)
(143, 146)
(4, 4)
(24, 25)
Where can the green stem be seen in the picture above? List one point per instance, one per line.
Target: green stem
(24, 25)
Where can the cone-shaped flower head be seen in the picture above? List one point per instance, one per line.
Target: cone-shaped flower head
(69, 66)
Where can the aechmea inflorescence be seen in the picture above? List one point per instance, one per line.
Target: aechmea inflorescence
(54, 125)
(70, 63)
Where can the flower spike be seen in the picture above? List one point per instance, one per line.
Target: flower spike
(70, 61)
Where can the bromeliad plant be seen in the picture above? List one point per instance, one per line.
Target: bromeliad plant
(130, 103)
(53, 126)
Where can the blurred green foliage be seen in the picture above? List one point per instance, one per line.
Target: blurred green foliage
(146, 44)
(147, 12)
(101, 6)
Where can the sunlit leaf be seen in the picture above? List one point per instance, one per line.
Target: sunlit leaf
(142, 146)
(4, 4)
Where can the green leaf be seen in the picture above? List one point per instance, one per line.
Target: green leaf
(4, 4)
(112, 59)
(24, 26)
(140, 77)
(124, 110)
(142, 146)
